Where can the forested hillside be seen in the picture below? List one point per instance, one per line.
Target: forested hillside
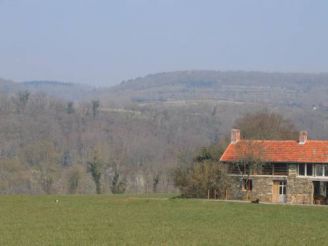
(302, 90)
(52, 133)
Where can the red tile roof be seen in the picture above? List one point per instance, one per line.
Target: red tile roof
(313, 151)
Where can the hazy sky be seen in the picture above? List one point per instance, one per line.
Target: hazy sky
(106, 41)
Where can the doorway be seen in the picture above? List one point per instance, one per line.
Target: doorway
(320, 192)
(279, 191)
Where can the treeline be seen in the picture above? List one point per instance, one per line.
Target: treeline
(50, 146)
(47, 146)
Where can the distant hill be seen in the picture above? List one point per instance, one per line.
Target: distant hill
(295, 89)
(60, 90)
(287, 89)
(8, 86)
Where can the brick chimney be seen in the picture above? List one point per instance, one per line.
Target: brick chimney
(235, 135)
(303, 137)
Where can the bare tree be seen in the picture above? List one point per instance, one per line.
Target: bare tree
(250, 161)
(95, 168)
(266, 125)
(95, 107)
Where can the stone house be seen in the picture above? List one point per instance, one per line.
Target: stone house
(278, 171)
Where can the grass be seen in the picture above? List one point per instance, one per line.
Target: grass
(137, 220)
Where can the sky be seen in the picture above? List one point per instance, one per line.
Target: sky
(102, 42)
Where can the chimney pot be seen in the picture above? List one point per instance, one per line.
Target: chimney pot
(303, 137)
(235, 135)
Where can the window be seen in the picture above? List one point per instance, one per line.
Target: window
(309, 169)
(305, 169)
(247, 184)
(319, 170)
(282, 188)
(233, 169)
(326, 170)
(280, 169)
(267, 169)
(301, 169)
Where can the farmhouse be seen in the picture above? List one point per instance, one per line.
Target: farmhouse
(285, 171)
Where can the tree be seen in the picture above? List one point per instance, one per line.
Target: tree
(250, 161)
(42, 158)
(95, 107)
(23, 97)
(74, 180)
(259, 125)
(47, 182)
(118, 186)
(70, 108)
(266, 125)
(156, 179)
(95, 168)
(203, 177)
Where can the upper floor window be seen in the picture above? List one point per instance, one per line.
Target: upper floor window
(318, 170)
(309, 169)
(321, 170)
(305, 169)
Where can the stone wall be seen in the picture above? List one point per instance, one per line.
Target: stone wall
(299, 190)
(262, 189)
(234, 192)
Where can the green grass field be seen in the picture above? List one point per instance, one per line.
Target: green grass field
(128, 220)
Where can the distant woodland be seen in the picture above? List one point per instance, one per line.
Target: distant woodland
(69, 138)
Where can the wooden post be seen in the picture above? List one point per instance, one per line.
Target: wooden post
(312, 193)
(214, 194)
(208, 194)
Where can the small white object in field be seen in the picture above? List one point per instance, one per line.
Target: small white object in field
(57, 201)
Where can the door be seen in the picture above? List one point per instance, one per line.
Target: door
(275, 191)
(279, 190)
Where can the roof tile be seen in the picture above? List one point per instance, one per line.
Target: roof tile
(313, 151)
